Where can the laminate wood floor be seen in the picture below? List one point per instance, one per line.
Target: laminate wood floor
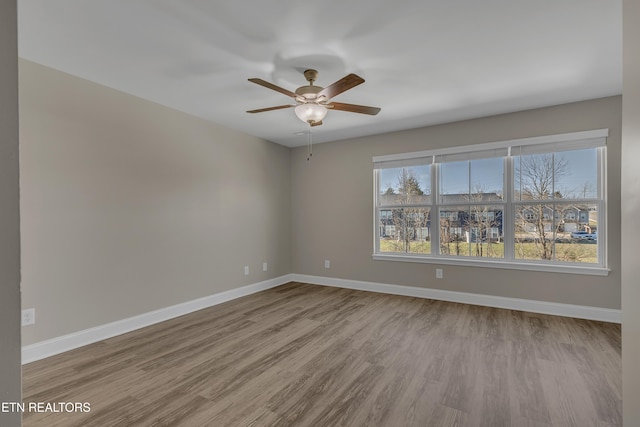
(306, 355)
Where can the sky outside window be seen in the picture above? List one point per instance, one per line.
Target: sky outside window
(472, 176)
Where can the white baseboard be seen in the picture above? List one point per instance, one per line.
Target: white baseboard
(51, 347)
(43, 349)
(556, 309)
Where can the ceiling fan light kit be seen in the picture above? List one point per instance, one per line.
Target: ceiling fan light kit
(313, 102)
(311, 112)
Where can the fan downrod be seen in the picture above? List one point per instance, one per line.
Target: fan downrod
(311, 76)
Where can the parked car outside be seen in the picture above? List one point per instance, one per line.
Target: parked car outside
(584, 235)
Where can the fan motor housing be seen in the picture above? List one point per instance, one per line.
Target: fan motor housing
(309, 91)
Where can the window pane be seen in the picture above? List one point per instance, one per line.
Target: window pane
(475, 230)
(562, 175)
(578, 174)
(402, 186)
(454, 230)
(487, 179)
(404, 230)
(570, 232)
(472, 180)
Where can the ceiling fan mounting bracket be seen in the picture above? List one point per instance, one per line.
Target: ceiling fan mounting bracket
(311, 75)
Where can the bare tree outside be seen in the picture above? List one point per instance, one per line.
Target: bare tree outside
(483, 220)
(410, 222)
(451, 229)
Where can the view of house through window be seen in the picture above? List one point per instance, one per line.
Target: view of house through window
(537, 202)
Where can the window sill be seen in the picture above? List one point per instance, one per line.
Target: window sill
(528, 266)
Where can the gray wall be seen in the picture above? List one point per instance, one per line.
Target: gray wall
(630, 209)
(333, 200)
(9, 214)
(129, 206)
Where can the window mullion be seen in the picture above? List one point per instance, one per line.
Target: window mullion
(435, 214)
(509, 214)
(376, 209)
(602, 206)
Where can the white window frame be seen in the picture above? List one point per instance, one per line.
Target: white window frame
(550, 143)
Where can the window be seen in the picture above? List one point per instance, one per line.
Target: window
(509, 204)
(404, 214)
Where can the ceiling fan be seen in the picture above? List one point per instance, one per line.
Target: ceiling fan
(313, 102)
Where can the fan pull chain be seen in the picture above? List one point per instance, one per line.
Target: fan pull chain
(309, 146)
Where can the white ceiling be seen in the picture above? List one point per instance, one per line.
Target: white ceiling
(424, 61)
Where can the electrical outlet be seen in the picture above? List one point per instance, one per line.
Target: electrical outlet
(264, 266)
(327, 263)
(28, 316)
(246, 270)
(439, 273)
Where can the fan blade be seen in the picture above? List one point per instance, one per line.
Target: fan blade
(312, 124)
(362, 109)
(279, 107)
(273, 87)
(340, 86)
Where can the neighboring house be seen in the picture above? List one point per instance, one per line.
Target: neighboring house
(474, 217)
(464, 220)
(570, 219)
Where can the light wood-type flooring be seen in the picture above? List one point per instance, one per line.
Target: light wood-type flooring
(306, 355)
